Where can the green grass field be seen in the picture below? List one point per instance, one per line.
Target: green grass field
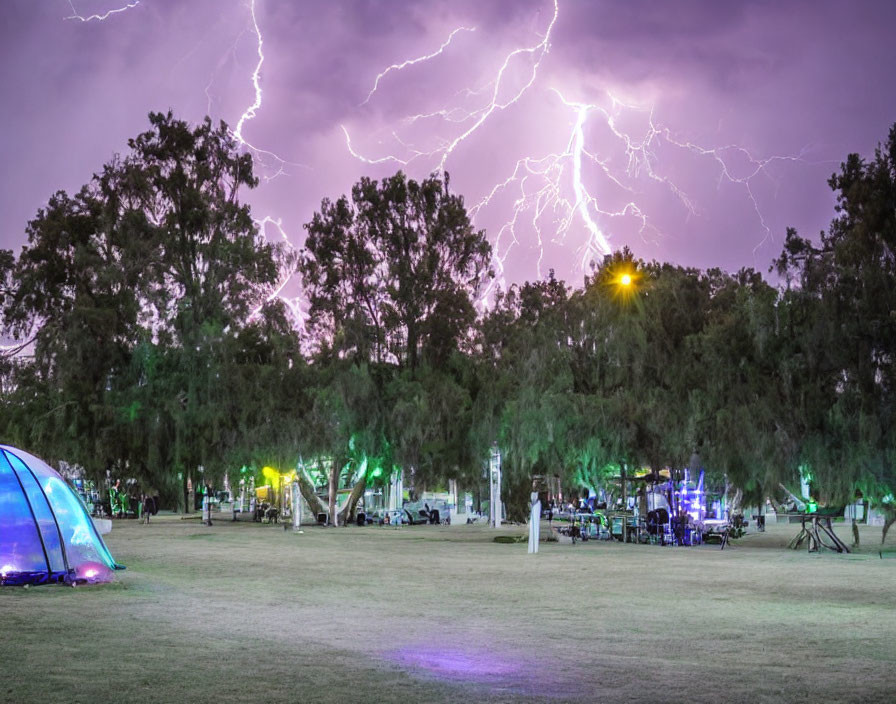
(242, 612)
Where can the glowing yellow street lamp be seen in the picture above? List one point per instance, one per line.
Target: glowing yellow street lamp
(624, 285)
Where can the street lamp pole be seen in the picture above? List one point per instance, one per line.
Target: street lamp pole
(494, 483)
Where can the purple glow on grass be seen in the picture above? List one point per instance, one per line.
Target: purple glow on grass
(94, 573)
(458, 664)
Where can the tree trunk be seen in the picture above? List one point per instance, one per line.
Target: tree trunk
(307, 490)
(334, 485)
(624, 486)
(515, 495)
(736, 501)
(891, 518)
(347, 514)
(186, 479)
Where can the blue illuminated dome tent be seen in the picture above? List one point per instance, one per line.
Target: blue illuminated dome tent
(46, 534)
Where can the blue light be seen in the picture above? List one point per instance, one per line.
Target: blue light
(46, 534)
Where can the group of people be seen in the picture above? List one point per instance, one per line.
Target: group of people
(266, 512)
(121, 500)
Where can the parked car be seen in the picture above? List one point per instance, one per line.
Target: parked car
(422, 511)
(416, 515)
(384, 517)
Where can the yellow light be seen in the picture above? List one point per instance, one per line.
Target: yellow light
(626, 280)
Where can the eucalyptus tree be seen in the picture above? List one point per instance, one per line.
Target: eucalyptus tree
(740, 409)
(523, 391)
(394, 271)
(139, 282)
(611, 379)
(76, 303)
(675, 309)
(391, 274)
(267, 390)
(428, 422)
(207, 267)
(840, 298)
(344, 425)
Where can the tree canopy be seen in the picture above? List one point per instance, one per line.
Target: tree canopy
(148, 346)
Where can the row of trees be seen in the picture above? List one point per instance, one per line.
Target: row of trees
(141, 355)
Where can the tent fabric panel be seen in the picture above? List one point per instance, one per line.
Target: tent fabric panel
(21, 550)
(83, 544)
(46, 522)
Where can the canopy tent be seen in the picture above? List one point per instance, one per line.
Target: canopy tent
(46, 534)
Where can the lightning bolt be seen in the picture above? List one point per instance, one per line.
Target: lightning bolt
(264, 156)
(99, 18)
(411, 62)
(551, 193)
(758, 167)
(537, 52)
(575, 193)
(548, 197)
(292, 304)
(250, 112)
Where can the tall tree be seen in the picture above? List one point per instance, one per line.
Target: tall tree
(391, 276)
(76, 301)
(141, 281)
(840, 302)
(393, 272)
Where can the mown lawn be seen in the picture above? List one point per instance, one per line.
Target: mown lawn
(251, 613)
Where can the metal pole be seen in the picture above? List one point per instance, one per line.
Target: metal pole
(491, 496)
(206, 510)
(296, 507)
(499, 507)
(494, 484)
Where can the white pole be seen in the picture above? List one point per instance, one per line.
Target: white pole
(491, 492)
(499, 506)
(495, 508)
(296, 507)
(534, 523)
(206, 510)
(396, 492)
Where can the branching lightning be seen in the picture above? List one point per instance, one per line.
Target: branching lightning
(579, 192)
(552, 193)
(99, 18)
(411, 62)
(269, 160)
(446, 148)
(293, 304)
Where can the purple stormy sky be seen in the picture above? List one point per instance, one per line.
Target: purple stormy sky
(657, 125)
